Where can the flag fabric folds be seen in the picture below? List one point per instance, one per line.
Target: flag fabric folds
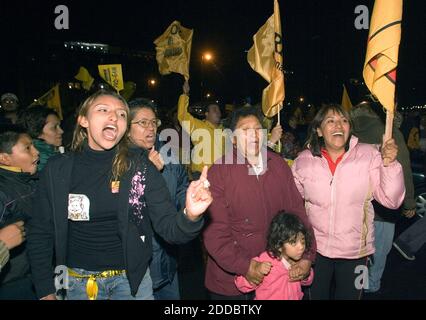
(346, 101)
(174, 50)
(113, 75)
(265, 57)
(51, 99)
(84, 76)
(381, 58)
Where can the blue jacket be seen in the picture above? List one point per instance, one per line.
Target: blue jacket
(163, 266)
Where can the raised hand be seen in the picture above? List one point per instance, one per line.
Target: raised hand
(198, 196)
(276, 134)
(156, 158)
(389, 151)
(185, 87)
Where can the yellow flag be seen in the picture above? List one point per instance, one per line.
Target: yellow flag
(346, 101)
(381, 58)
(113, 75)
(84, 76)
(265, 57)
(51, 99)
(174, 50)
(129, 90)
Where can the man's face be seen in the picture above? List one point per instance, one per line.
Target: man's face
(9, 105)
(213, 114)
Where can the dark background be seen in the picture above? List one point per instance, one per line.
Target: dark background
(322, 47)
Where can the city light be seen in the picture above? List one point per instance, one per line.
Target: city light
(207, 56)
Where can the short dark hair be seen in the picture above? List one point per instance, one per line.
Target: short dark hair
(9, 136)
(205, 105)
(33, 119)
(141, 103)
(243, 112)
(284, 228)
(314, 143)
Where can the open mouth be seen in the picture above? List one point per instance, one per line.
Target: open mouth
(150, 137)
(338, 134)
(110, 132)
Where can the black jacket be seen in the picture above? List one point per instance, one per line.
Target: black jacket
(49, 225)
(16, 190)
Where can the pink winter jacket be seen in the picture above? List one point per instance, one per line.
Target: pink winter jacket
(339, 207)
(276, 285)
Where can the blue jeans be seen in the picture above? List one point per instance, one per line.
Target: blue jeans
(383, 233)
(414, 237)
(112, 288)
(169, 291)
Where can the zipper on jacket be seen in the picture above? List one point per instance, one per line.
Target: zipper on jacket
(331, 215)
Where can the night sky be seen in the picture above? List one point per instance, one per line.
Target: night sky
(321, 45)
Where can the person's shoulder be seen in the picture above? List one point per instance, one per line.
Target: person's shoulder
(58, 160)
(61, 157)
(367, 148)
(305, 154)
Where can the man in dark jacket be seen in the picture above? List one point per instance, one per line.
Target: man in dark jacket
(249, 187)
(369, 128)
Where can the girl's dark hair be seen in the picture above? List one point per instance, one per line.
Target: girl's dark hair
(120, 164)
(243, 112)
(9, 136)
(314, 143)
(33, 119)
(285, 228)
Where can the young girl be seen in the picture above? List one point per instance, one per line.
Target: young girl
(106, 246)
(287, 241)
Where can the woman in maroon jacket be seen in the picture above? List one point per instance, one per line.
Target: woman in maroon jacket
(247, 194)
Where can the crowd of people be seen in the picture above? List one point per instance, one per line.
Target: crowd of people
(283, 211)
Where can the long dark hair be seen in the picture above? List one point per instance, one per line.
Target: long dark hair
(314, 142)
(284, 228)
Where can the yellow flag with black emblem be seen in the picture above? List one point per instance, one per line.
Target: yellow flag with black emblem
(113, 75)
(174, 50)
(265, 57)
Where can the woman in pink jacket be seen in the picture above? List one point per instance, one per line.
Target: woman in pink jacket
(287, 240)
(338, 178)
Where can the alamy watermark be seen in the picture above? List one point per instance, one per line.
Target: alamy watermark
(362, 21)
(62, 21)
(209, 149)
(361, 281)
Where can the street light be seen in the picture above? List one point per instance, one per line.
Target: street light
(205, 57)
(152, 82)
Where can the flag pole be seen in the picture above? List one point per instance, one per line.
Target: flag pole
(279, 146)
(388, 131)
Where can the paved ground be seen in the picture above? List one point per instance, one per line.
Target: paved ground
(402, 279)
